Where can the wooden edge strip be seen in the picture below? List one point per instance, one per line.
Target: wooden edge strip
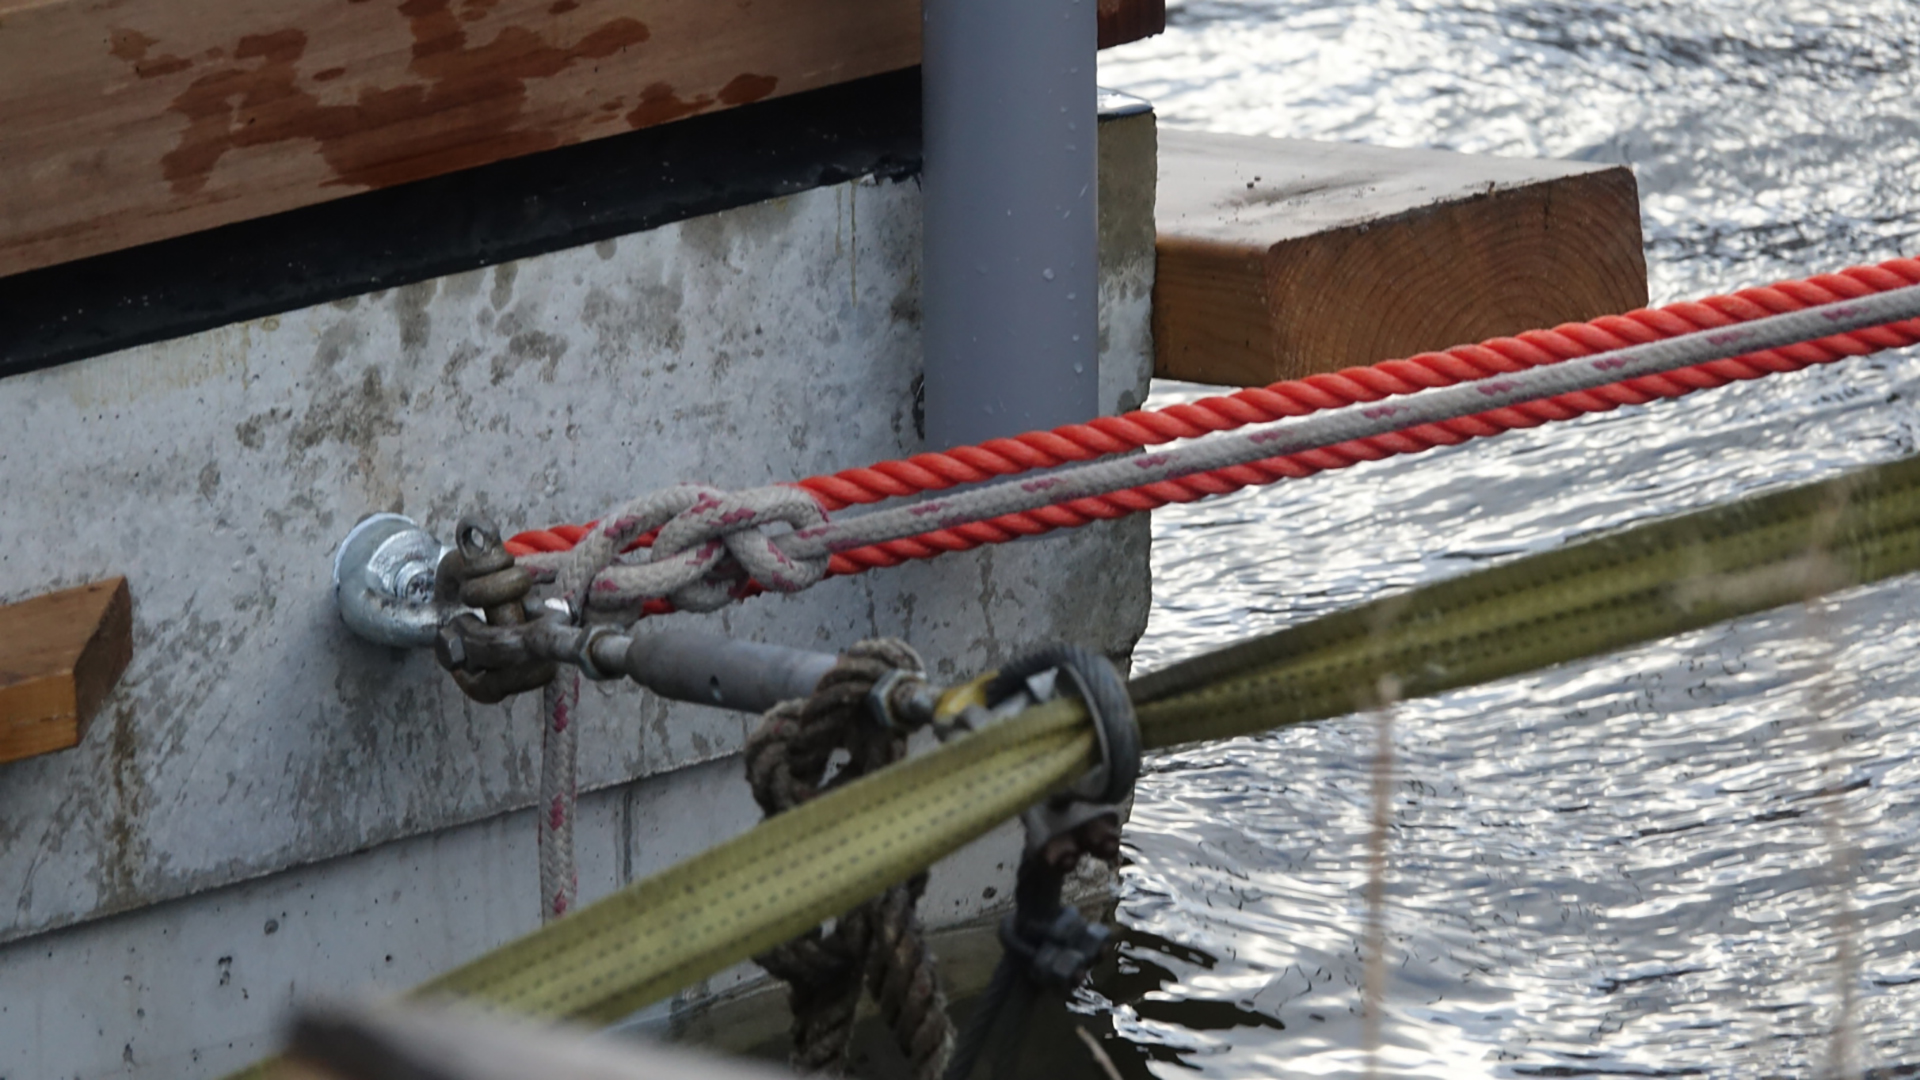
(61, 654)
(143, 120)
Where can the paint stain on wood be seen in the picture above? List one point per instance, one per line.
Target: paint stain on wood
(132, 46)
(660, 104)
(747, 89)
(465, 111)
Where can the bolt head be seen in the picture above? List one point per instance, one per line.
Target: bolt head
(414, 583)
(451, 648)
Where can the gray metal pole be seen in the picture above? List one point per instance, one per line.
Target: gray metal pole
(1009, 318)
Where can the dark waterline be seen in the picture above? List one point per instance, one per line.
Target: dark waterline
(1696, 858)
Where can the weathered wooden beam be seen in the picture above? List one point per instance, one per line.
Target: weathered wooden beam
(1122, 21)
(1280, 258)
(129, 121)
(60, 654)
(411, 1042)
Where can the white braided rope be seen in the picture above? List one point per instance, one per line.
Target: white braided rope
(794, 560)
(1260, 442)
(710, 544)
(559, 794)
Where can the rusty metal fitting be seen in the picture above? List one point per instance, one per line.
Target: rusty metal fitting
(489, 665)
(496, 590)
(493, 687)
(468, 644)
(1097, 833)
(487, 574)
(903, 700)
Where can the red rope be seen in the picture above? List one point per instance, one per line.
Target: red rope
(1116, 434)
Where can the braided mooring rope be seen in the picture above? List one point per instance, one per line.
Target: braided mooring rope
(1152, 427)
(559, 794)
(877, 945)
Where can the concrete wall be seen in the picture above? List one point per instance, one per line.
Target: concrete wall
(300, 805)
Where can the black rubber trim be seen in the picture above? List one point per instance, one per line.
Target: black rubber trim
(507, 210)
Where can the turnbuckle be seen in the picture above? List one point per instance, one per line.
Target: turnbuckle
(396, 584)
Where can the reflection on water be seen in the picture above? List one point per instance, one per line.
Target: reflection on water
(1650, 864)
(1769, 136)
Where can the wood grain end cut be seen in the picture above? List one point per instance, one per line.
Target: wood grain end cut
(60, 656)
(1407, 262)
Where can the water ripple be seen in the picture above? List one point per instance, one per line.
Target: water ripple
(1695, 858)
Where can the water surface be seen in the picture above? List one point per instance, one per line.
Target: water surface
(1694, 858)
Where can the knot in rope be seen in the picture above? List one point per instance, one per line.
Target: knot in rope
(711, 544)
(878, 944)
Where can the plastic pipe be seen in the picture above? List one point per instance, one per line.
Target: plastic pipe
(1009, 273)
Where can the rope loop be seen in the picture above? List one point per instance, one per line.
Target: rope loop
(878, 944)
(724, 535)
(712, 547)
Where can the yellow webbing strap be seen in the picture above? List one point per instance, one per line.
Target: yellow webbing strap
(779, 878)
(694, 920)
(1589, 598)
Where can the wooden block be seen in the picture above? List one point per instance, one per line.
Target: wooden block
(128, 121)
(1281, 258)
(1122, 21)
(60, 655)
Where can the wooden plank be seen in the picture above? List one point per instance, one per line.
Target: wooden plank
(128, 121)
(60, 655)
(1280, 258)
(413, 1042)
(1122, 21)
